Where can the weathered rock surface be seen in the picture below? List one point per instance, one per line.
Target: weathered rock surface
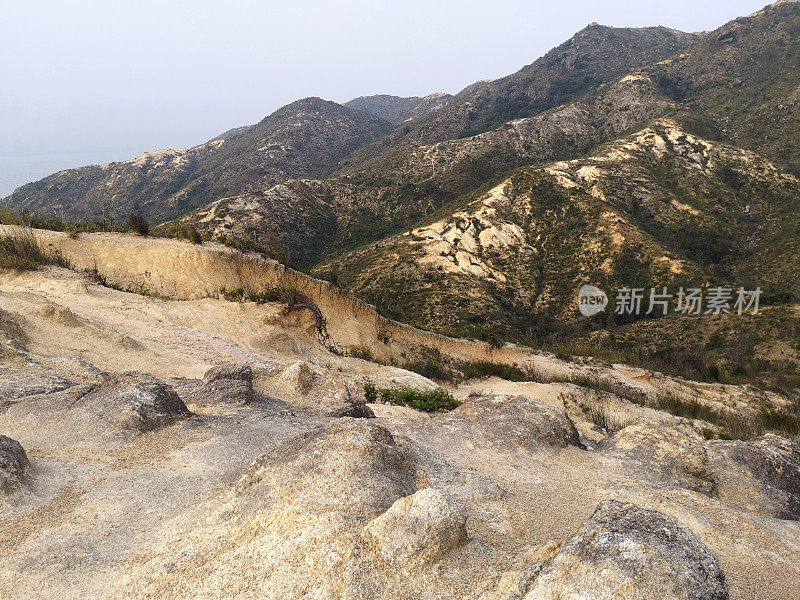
(350, 464)
(518, 420)
(135, 402)
(12, 337)
(226, 384)
(760, 475)
(663, 455)
(13, 464)
(418, 528)
(299, 376)
(625, 551)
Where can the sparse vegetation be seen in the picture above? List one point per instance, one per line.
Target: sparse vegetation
(20, 250)
(481, 369)
(437, 400)
(604, 418)
(138, 224)
(370, 392)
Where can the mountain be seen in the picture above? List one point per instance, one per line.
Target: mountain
(396, 109)
(659, 207)
(309, 221)
(592, 57)
(307, 138)
(743, 80)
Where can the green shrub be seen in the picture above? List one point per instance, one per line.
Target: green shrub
(267, 294)
(370, 392)
(189, 232)
(363, 353)
(483, 368)
(437, 400)
(430, 369)
(138, 223)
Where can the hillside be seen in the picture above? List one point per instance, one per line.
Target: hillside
(397, 109)
(744, 81)
(658, 208)
(634, 156)
(592, 57)
(307, 138)
(177, 444)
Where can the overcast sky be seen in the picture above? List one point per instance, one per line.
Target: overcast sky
(118, 78)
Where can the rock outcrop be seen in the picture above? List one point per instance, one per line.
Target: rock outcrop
(626, 551)
(663, 455)
(418, 528)
(134, 402)
(351, 464)
(509, 421)
(14, 465)
(760, 475)
(226, 384)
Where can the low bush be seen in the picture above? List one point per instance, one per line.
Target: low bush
(431, 369)
(603, 418)
(138, 224)
(484, 368)
(437, 400)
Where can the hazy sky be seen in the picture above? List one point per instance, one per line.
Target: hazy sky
(117, 78)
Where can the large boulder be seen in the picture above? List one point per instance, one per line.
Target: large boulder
(419, 528)
(663, 455)
(626, 551)
(349, 464)
(14, 464)
(510, 421)
(134, 401)
(761, 475)
(226, 384)
(339, 511)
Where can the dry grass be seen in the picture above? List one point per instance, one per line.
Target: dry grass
(20, 250)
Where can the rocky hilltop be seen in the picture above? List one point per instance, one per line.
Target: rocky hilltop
(167, 442)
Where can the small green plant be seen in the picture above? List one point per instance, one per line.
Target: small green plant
(139, 224)
(362, 352)
(437, 400)
(266, 294)
(370, 392)
(429, 368)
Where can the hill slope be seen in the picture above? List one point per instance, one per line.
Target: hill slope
(307, 138)
(660, 207)
(396, 109)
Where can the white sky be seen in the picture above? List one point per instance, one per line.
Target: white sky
(126, 77)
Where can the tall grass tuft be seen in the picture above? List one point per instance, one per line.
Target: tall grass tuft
(20, 250)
